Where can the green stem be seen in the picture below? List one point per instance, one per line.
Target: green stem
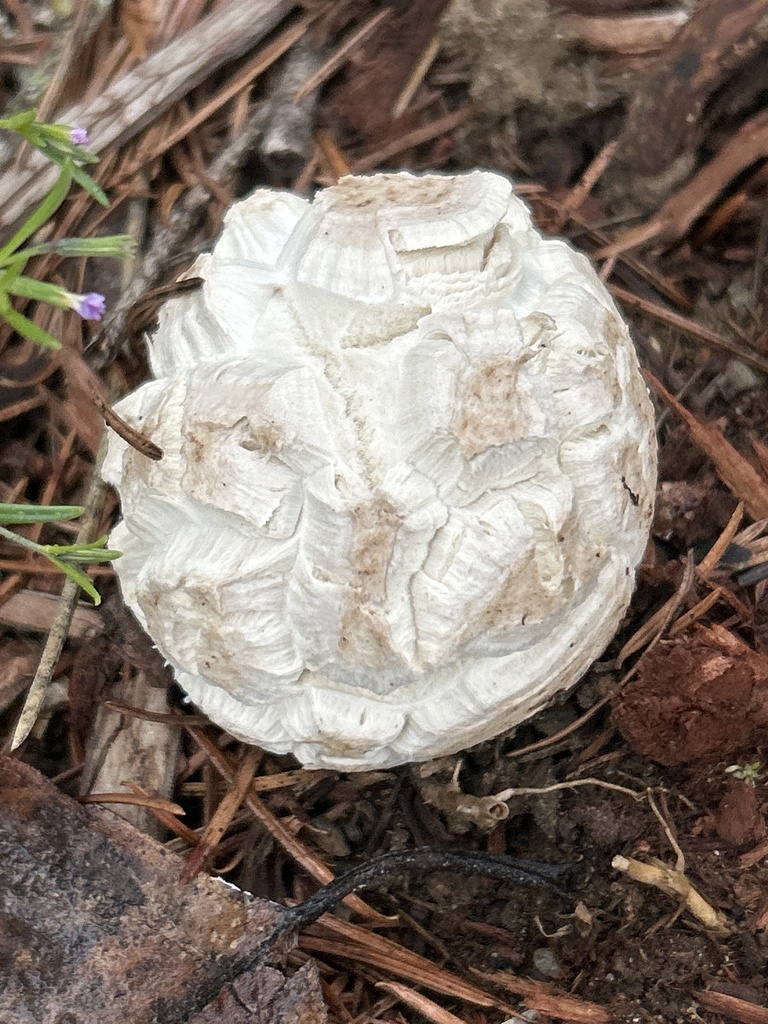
(23, 542)
(43, 213)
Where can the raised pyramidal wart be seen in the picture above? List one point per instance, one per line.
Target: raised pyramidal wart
(409, 471)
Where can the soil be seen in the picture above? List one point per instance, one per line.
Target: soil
(624, 946)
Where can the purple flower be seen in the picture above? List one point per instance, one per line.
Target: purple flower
(79, 136)
(90, 306)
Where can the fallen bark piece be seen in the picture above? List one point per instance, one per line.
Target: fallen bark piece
(131, 747)
(95, 925)
(266, 996)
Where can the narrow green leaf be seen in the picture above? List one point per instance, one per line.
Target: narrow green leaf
(27, 329)
(93, 552)
(14, 266)
(20, 514)
(90, 557)
(40, 291)
(44, 212)
(117, 246)
(78, 576)
(86, 181)
(17, 122)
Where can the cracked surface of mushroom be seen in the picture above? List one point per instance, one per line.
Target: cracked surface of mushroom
(409, 471)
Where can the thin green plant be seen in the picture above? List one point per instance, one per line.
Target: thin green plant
(67, 148)
(66, 557)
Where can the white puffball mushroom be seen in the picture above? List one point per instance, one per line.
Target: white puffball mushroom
(409, 471)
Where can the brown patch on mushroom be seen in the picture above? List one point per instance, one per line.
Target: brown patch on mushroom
(522, 599)
(201, 436)
(354, 193)
(262, 437)
(488, 414)
(365, 639)
(197, 441)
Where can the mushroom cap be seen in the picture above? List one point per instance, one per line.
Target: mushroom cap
(409, 471)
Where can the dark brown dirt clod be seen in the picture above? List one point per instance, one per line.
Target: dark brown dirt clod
(697, 698)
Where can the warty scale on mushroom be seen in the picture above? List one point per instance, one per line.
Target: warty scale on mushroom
(409, 471)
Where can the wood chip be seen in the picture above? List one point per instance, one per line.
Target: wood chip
(426, 1007)
(639, 33)
(666, 115)
(547, 999)
(733, 1008)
